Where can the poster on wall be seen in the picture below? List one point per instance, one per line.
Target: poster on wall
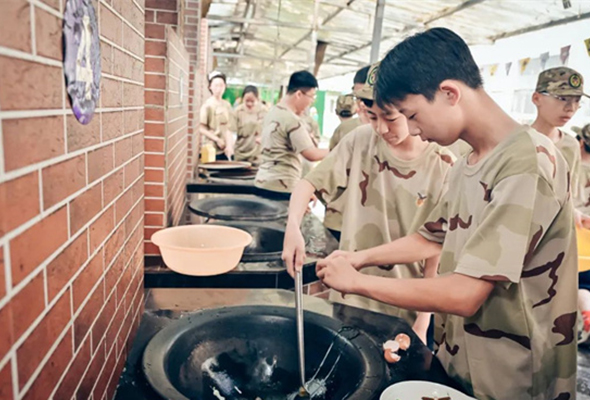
(81, 48)
(564, 55)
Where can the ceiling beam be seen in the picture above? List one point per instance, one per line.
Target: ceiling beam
(447, 12)
(545, 25)
(270, 22)
(262, 58)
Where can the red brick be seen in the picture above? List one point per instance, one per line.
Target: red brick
(133, 95)
(52, 370)
(154, 160)
(114, 381)
(154, 175)
(82, 136)
(48, 30)
(150, 16)
(30, 354)
(106, 58)
(15, 20)
(154, 129)
(113, 275)
(113, 186)
(74, 374)
(155, 31)
(154, 145)
(154, 220)
(101, 228)
(63, 179)
(154, 114)
(133, 42)
(6, 383)
(164, 17)
(33, 246)
(133, 15)
(89, 380)
(7, 338)
(84, 283)
(137, 145)
(154, 191)
(111, 25)
(161, 4)
(133, 121)
(103, 379)
(123, 151)
(17, 91)
(154, 205)
(113, 246)
(122, 206)
(111, 93)
(155, 81)
(2, 275)
(42, 137)
(66, 265)
(132, 171)
(155, 65)
(19, 202)
(88, 314)
(100, 162)
(102, 322)
(112, 125)
(155, 48)
(84, 207)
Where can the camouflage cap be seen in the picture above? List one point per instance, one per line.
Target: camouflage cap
(561, 81)
(584, 133)
(344, 103)
(367, 91)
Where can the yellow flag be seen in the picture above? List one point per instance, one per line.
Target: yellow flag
(524, 63)
(493, 69)
(587, 43)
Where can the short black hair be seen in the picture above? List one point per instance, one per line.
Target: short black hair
(345, 113)
(421, 62)
(301, 80)
(367, 102)
(581, 139)
(250, 89)
(361, 75)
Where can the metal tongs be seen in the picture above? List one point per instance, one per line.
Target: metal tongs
(300, 339)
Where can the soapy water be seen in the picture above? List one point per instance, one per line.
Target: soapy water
(224, 387)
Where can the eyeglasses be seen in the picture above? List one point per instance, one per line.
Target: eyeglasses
(573, 101)
(314, 97)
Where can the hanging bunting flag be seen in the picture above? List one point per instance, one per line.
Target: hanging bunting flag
(565, 54)
(524, 63)
(508, 67)
(544, 57)
(587, 43)
(493, 69)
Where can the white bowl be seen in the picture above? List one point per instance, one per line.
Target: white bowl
(201, 250)
(415, 390)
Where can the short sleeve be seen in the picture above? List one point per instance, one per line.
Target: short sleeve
(204, 114)
(330, 176)
(335, 137)
(435, 227)
(299, 137)
(521, 210)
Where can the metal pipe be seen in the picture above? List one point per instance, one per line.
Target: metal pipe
(377, 28)
(314, 36)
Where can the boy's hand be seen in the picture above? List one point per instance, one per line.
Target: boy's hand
(293, 250)
(337, 273)
(354, 258)
(582, 220)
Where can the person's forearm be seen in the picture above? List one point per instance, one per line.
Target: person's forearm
(298, 203)
(409, 249)
(314, 154)
(208, 133)
(453, 294)
(229, 140)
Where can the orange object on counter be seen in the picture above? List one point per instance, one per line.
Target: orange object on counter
(583, 237)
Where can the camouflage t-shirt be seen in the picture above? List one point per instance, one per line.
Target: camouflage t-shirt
(460, 148)
(284, 136)
(585, 186)
(248, 124)
(343, 129)
(381, 198)
(216, 116)
(570, 149)
(312, 127)
(509, 218)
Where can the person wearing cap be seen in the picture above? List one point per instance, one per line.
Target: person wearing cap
(215, 118)
(382, 183)
(583, 136)
(557, 98)
(285, 137)
(346, 109)
(357, 84)
(248, 118)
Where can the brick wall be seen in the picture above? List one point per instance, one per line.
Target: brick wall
(192, 15)
(71, 254)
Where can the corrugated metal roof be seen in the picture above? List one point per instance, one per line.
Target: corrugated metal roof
(263, 41)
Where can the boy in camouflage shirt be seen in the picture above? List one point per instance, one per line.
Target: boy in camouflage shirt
(381, 183)
(345, 109)
(285, 137)
(504, 230)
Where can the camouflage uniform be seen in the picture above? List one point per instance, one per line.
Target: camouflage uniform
(248, 124)
(216, 116)
(380, 198)
(584, 133)
(284, 136)
(563, 81)
(344, 103)
(509, 218)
